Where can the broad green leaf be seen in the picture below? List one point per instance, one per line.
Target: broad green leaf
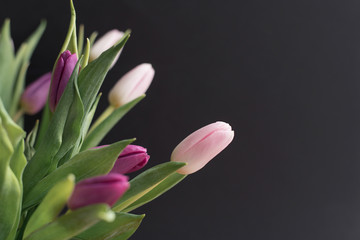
(90, 163)
(160, 189)
(16, 136)
(53, 145)
(10, 191)
(121, 228)
(84, 128)
(73, 223)
(92, 77)
(44, 124)
(14, 132)
(18, 161)
(100, 130)
(11, 204)
(51, 206)
(7, 59)
(145, 182)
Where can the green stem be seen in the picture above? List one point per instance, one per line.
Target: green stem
(18, 115)
(20, 233)
(109, 110)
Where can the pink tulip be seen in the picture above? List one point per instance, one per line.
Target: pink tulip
(101, 189)
(131, 159)
(132, 85)
(35, 95)
(201, 146)
(63, 70)
(104, 43)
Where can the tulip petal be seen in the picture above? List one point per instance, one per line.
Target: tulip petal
(102, 189)
(201, 146)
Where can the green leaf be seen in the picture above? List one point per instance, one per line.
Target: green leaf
(10, 190)
(99, 131)
(73, 223)
(145, 182)
(22, 61)
(86, 164)
(160, 189)
(121, 228)
(80, 43)
(44, 125)
(7, 59)
(14, 132)
(86, 54)
(30, 141)
(69, 34)
(16, 136)
(51, 206)
(92, 77)
(18, 161)
(92, 39)
(60, 135)
(12, 163)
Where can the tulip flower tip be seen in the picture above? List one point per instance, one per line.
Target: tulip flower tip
(108, 216)
(71, 177)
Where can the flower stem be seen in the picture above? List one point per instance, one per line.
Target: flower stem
(109, 110)
(18, 115)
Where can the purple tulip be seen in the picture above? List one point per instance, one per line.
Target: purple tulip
(201, 146)
(35, 95)
(101, 189)
(63, 70)
(131, 159)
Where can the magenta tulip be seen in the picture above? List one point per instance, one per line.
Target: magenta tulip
(131, 159)
(63, 70)
(35, 95)
(101, 189)
(201, 146)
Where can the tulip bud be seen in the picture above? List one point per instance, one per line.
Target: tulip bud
(131, 159)
(35, 95)
(101, 189)
(132, 85)
(63, 70)
(201, 146)
(104, 43)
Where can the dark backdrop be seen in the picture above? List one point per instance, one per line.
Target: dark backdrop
(285, 74)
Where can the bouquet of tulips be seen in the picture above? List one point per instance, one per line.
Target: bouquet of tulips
(56, 182)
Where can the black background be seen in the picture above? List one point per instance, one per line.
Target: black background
(284, 74)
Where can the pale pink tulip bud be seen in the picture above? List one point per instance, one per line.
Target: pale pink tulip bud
(104, 43)
(35, 95)
(131, 159)
(132, 85)
(201, 146)
(63, 70)
(101, 189)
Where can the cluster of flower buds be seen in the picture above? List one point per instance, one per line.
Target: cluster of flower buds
(196, 150)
